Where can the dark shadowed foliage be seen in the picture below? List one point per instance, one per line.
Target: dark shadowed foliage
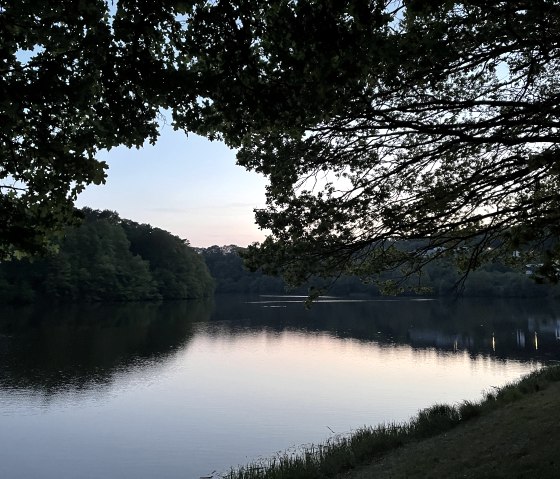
(109, 259)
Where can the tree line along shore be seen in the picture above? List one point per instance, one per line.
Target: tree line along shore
(107, 258)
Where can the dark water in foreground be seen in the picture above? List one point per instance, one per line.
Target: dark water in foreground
(178, 390)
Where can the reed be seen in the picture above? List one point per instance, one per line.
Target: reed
(344, 452)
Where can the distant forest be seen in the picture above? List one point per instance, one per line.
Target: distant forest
(439, 278)
(108, 258)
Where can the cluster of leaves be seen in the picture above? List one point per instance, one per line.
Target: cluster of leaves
(375, 121)
(381, 121)
(109, 259)
(74, 79)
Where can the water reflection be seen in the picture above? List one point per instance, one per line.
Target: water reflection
(79, 348)
(488, 327)
(156, 390)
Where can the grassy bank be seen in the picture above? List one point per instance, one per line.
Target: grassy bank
(394, 450)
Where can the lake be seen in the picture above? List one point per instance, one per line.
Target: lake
(188, 389)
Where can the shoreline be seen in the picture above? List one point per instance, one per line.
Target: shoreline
(415, 448)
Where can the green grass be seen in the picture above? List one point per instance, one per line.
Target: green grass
(342, 454)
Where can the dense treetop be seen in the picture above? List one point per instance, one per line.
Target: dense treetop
(107, 258)
(375, 121)
(444, 128)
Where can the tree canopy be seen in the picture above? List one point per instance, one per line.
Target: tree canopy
(439, 278)
(378, 122)
(107, 258)
(75, 78)
(375, 121)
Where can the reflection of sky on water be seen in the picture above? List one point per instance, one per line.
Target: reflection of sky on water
(495, 328)
(311, 362)
(177, 391)
(70, 392)
(78, 352)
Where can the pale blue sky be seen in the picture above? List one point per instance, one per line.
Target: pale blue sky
(186, 185)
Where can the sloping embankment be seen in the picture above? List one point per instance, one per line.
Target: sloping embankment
(517, 440)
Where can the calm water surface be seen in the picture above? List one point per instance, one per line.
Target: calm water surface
(179, 390)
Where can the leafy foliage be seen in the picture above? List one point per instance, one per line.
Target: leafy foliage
(105, 259)
(374, 121)
(439, 278)
(176, 268)
(230, 275)
(382, 121)
(75, 79)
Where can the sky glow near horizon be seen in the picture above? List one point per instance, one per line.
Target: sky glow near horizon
(188, 186)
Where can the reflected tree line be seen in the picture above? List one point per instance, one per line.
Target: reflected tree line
(505, 329)
(78, 347)
(82, 346)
